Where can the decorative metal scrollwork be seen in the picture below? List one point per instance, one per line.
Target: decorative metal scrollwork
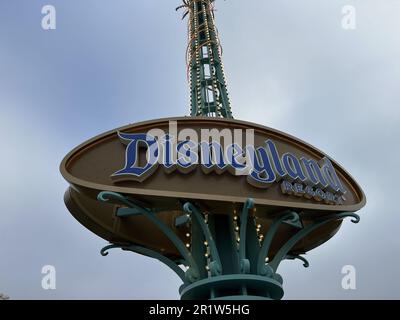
(260, 256)
(192, 274)
(306, 264)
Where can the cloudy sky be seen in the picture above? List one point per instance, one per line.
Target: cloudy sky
(290, 65)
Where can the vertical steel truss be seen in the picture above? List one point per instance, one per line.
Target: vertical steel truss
(208, 90)
(227, 258)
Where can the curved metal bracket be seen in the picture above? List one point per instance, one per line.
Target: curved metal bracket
(263, 269)
(149, 253)
(282, 253)
(104, 250)
(306, 264)
(244, 262)
(215, 265)
(192, 274)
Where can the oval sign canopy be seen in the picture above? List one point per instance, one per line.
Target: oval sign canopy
(222, 162)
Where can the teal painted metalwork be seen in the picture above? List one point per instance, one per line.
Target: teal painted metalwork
(192, 273)
(149, 253)
(182, 221)
(229, 287)
(215, 265)
(128, 212)
(282, 253)
(262, 267)
(306, 264)
(234, 272)
(244, 262)
(208, 89)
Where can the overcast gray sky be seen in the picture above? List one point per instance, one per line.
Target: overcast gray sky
(290, 65)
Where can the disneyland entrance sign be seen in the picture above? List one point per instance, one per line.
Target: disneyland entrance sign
(216, 163)
(221, 160)
(222, 151)
(227, 199)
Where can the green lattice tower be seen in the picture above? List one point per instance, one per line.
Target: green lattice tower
(208, 90)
